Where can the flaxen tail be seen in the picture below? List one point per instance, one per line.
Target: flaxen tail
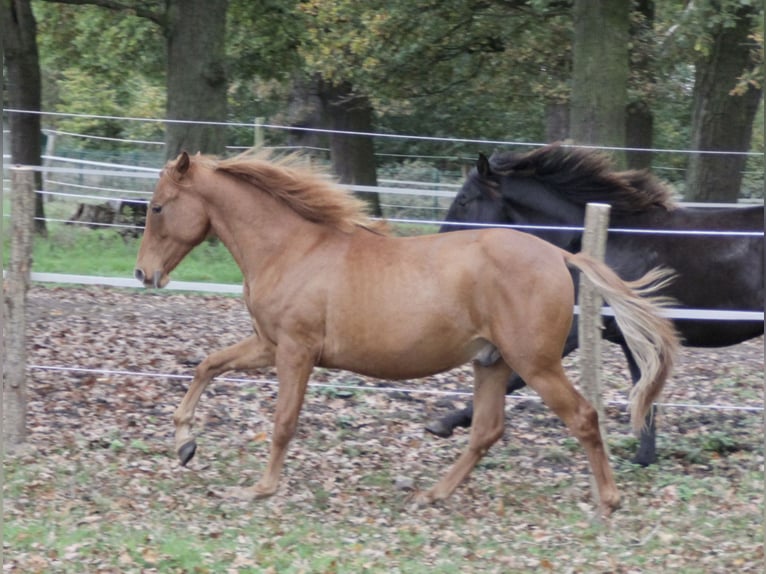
(651, 338)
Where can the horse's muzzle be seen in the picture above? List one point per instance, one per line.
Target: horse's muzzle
(155, 281)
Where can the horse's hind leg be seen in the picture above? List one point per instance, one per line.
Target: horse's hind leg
(251, 353)
(581, 418)
(488, 423)
(647, 447)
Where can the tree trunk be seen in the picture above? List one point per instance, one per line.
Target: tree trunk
(721, 120)
(353, 157)
(15, 289)
(600, 73)
(639, 133)
(639, 126)
(24, 91)
(196, 76)
(556, 121)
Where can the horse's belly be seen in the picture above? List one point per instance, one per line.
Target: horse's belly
(407, 366)
(389, 356)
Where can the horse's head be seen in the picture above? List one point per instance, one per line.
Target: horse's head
(176, 222)
(509, 190)
(478, 201)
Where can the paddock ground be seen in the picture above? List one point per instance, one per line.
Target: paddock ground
(97, 486)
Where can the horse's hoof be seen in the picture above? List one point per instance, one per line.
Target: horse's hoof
(644, 461)
(438, 428)
(186, 452)
(610, 505)
(425, 498)
(421, 499)
(262, 494)
(245, 493)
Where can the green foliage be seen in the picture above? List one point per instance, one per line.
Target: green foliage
(464, 49)
(690, 28)
(476, 69)
(262, 39)
(83, 55)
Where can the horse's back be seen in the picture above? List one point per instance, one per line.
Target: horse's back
(714, 269)
(718, 218)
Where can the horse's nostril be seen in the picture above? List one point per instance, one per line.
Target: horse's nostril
(139, 274)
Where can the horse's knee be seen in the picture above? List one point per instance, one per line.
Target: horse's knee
(284, 430)
(201, 370)
(584, 424)
(485, 435)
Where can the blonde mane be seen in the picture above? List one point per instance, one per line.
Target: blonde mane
(307, 190)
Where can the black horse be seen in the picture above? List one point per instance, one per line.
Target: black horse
(551, 186)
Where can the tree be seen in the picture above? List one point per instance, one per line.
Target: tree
(80, 80)
(376, 55)
(600, 72)
(353, 156)
(639, 116)
(727, 91)
(195, 73)
(24, 91)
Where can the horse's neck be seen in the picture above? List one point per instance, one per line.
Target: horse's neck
(255, 227)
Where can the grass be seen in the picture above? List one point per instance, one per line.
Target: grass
(132, 510)
(104, 252)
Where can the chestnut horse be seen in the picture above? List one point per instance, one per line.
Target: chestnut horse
(325, 286)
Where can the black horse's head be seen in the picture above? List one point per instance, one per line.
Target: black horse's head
(478, 201)
(509, 190)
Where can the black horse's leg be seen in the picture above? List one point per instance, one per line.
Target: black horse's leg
(445, 426)
(647, 448)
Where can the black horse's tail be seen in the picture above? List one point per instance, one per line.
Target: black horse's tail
(651, 337)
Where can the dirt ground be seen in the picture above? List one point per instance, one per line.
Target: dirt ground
(109, 366)
(165, 333)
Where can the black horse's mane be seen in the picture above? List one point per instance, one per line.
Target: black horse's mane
(585, 175)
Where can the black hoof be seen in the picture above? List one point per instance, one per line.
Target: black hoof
(438, 428)
(186, 452)
(645, 457)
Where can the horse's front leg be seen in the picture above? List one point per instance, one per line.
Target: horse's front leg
(294, 366)
(250, 353)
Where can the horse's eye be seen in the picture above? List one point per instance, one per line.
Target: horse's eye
(156, 209)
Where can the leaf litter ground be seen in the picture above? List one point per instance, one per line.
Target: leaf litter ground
(98, 489)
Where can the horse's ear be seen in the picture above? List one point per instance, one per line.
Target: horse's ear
(183, 163)
(482, 166)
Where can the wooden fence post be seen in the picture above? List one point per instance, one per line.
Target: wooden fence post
(16, 285)
(589, 323)
(259, 138)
